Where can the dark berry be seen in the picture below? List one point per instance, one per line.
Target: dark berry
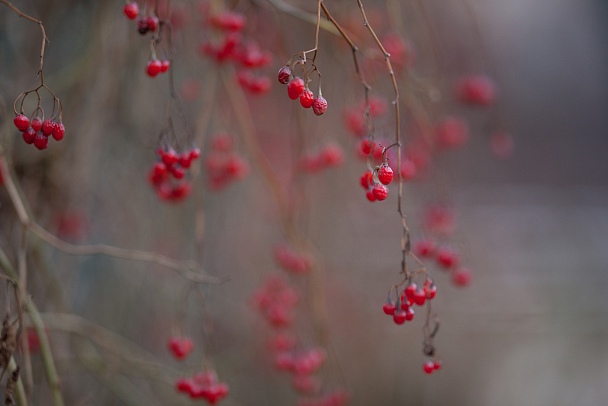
(284, 75)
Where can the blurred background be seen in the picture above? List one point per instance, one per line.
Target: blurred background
(530, 329)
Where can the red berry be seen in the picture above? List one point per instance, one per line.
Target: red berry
(153, 68)
(36, 124)
(430, 289)
(409, 314)
(142, 26)
(29, 135)
(452, 132)
(385, 174)
(476, 89)
(295, 88)
(21, 122)
(410, 290)
(366, 180)
(461, 277)
(185, 159)
(178, 173)
(58, 131)
(425, 248)
(131, 10)
(180, 347)
(284, 75)
(152, 23)
(319, 106)
(428, 367)
(419, 297)
(447, 258)
(170, 157)
(195, 153)
(332, 155)
(367, 146)
(165, 64)
(399, 316)
(40, 141)
(259, 85)
(380, 192)
(47, 127)
(370, 196)
(307, 98)
(389, 308)
(436, 365)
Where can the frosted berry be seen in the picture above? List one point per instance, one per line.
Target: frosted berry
(36, 124)
(164, 65)
(385, 174)
(131, 10)
(380, 192)
(284, 75)
(307, 98)
(29, 135)
(47, 127)
(58, 131)
(419, 297)
(180, 347)
(428, 367)
(295, 88)
(389, 308)
(170, 157)
(410, 290)
(319, 106)
(366, 180)
(21, 122)
(399, 316)
(152, 23)
(40, 141)
(370, 196)
(153, 68)
(436, 365)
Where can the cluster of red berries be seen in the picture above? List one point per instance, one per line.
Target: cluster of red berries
(303, 365)
(447, 258)
(431, 366)
(203, 385)
(297, 89)
(290, 260)
(402, 310)
(223, 164)
(180, 347)
(156, 66)
(145, 24)
(168, 173)
(37, 130)
(276, 301)
(375, 182)
(246, 53)
(329, 156)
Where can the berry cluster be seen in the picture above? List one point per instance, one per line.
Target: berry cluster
(298, 89)
(148, 23)
(37, 130)
(156, 66)
(290, 260)
(329, 156)
(276, 302)
(375, 182)
(180, 347)
(431, 366)
(168, 173)
(223, 164)
(402, 310)
(246, 53)
(447, 258)
(303, 365)
(203, 385)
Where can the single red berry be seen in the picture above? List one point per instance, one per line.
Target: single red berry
(36, 124)
(389, 308)
(419, 297)
(195, 153)
(425, 248)
(47, 127)
(430, 289)
(319, 106)
(159, 169)
(370, 196)
(380, 192)
(284, 75)
(385, 174)
(437, 365)
(409, 314)
(58, 131)
(259, 85)
(184, 385)
(332, 155)
(461, 277)
(452, 132)
(180, 347)
(447, 258)
(399, 316)
(152, 22)
(178, 172)
(185, 159)
(21, 122)
(170, 157)
(367, 146)
(410, 290)
(476, 90)
(131, 10)
(29, 135)
(153, 68)
(40, 141)
(366, 180)
(142, 26)
(165, 64)
(307, 98)
(295, 88)
(428, 367)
